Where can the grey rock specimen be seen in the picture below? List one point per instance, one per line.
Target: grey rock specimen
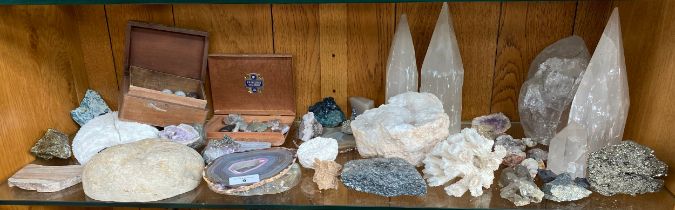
(563, 188)
(52, 144)
(553, 78)
(361, 104)
(517, 186)
(546, 175)
(347, 127)
(92, 105)
(219, 147)
(492, 125)
(626, 168)
(309, 127)
(383, 176)
(515, 149)
(537, 154)
(582, 182)
(257, 126)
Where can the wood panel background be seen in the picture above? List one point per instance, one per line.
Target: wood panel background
(49, 55)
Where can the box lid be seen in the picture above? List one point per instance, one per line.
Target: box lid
(252, 84)
(176, 51)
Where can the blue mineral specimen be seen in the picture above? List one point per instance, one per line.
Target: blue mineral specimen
(90, 107)
(546, 175)
(328, 113)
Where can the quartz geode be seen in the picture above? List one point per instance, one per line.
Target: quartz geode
(626, 168)
(553, 78)
(408, 127)
(491, 126)
(383, 176)
(53, 144)
(184, 134)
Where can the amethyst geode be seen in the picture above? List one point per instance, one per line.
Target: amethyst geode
(491, 126)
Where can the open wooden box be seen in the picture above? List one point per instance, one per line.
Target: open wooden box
(157, 58)
(233, 92)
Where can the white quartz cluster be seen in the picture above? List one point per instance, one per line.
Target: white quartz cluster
(318, 148)
(467, 155)
(408, 127)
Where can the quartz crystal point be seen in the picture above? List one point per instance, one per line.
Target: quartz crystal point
(401, 66)
(442, 69)
(601, 103)
(552, 81)
(568, 151)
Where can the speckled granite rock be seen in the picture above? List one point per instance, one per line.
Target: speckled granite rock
(53, 144)
(563, 188)
(626, 168)
(327, 112)
(142, 171)
(91, 106)
(383, 176)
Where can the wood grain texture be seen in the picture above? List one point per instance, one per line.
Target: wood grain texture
(118, 15)
(525, 29)
(334, 58)
(648, 31)
(296, 32)
(590, 21)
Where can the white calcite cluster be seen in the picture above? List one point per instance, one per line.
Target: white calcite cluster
(401, 65)
(408, 127)
(466, 155)
(106, 131)
(318, 148)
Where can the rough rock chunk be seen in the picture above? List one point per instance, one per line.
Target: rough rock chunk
(466, 155)
(46, 178)
(325, 174)
(327, 112)
(563, 188)
(317, 149)
(383, 176)
(408, 127)
(309, 127)
(91, 106)
(53, 144)
(517, 186)
(626, 168)
(142, 171)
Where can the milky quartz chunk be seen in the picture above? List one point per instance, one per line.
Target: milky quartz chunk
(568, 151)
(552, 81)
(408, 127)
(317, 149)
(442, 69)
(401, 65)
(601, 103)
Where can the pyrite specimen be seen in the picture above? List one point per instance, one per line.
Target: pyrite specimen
(325, 174)
(517, 186)
(142, 171)
(91, 106)
(244, 171)
(105, 131)
(408, 127)
(547, 93)
(626, 168)
(46, 178)
(317, 149)
(401, 65)
(383, 176)
(282, 184)
(563, 188)
(601, 102)
(492, 125)
(327, 112)
(442, 69)
(568, 151)
(466, 155)
(53, 144)
(309, 127)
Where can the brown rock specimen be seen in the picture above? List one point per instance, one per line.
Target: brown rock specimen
(325, 174)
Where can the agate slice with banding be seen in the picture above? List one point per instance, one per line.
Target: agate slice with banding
(244, 171)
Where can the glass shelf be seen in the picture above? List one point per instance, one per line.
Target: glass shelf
(36, 2)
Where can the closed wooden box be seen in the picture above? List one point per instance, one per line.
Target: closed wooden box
(159, 57)
(259, 87)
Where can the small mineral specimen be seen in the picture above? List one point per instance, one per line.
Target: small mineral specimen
(532, 166)
(317, 149)
(167, 91)
(409, 126)
(582, 182)
(180, 93)
(228, 128)
(601, 102)
(383, 176)
(285, 129)
(626, 168)
(514, 149)
(529, 142)
(309, 127)
(182, 134)
(513, 159)
(442, 69)
(546, 175)
(537, 154)
(466, 155)
(142, 171)
(361, 104)
(219, 147)
(53, 144)
(105, 131)
(347, 127)
(275, 125)
(91, 106)
(401, 64)
(325, 174)
(568, 151)
(192, 94)
(552, 81)
(46, 178)
(232, 119)
(563, 188)
(257, 126)
(327, 112)
(517, 186)
(491, 126)
(241, 126)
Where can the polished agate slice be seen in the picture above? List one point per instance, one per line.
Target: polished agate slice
(239, 172)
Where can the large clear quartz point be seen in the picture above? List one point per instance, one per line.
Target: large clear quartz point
(401, 66)
(601, 103)
(568, 151)
(552, 81)
(442, 69)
